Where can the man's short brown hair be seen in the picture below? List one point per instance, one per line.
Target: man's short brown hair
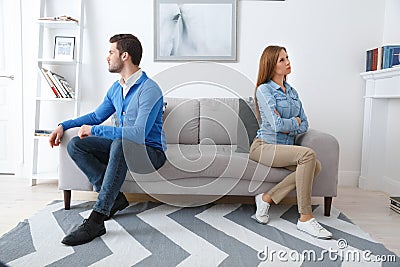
(130, 44)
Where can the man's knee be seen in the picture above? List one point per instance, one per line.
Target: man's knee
(72, 145)
(137, 158)
(134, 151)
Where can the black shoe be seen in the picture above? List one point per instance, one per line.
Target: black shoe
(85, 233)
(120, 203)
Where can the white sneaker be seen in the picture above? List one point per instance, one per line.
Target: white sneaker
(312, 227)
(262, 208)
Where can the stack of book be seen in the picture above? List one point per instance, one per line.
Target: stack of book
(58, 84)
(383, 57)
(43, 132)
(395, 204)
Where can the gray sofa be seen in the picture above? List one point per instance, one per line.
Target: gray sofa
(208, 141)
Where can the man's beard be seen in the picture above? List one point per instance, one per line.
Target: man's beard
(116, 68)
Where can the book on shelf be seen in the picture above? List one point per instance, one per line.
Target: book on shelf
(59, 18)
(42, 132)
(58, 84)
(395, 56)
(395, 204)
(68, 87)
(373, 59)
(368, 60)
(50, 82)
(58, 78)
(383, 57)
(395, 201)
(395, 208)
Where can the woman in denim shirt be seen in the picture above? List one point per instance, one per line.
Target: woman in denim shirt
(282, 118)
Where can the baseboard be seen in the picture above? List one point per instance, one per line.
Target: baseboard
(385, 184)
(348, 178)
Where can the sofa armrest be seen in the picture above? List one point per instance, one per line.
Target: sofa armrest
(70, 176)
(326, 147)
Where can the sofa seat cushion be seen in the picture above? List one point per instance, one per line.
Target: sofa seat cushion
(212, 161)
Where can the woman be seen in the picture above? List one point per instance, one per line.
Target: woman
(282, 118)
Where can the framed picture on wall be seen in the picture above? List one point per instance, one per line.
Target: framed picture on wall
(188, 30)
(64, 48)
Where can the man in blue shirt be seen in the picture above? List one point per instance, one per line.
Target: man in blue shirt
(103, 152)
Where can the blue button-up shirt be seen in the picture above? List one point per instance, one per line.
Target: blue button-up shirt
(139, 114)
(282, 128)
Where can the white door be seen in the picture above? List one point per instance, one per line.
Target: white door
(10, 88)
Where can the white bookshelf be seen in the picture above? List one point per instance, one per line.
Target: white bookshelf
(49, 110)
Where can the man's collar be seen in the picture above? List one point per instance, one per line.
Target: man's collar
(132, 79)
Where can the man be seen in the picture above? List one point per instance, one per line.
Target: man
(104, 153)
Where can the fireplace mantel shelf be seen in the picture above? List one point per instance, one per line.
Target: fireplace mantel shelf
(382, 83)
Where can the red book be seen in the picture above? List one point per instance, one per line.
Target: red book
(374, 59)
(50, 82)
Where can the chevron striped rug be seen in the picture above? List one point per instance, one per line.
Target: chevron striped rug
(153, 234)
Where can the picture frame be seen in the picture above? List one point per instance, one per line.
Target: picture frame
(195, 30)
(64, 47)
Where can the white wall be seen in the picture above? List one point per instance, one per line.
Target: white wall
(391, 33)
(326, 41)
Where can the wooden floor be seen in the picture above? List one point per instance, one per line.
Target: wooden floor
(368, 209)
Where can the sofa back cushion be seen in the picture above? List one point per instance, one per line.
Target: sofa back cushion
(247, 125)
(218, 121)
(181, 120)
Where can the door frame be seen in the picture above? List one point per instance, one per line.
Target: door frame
(13, 14)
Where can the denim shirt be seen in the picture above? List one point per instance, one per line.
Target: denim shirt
(281, 129)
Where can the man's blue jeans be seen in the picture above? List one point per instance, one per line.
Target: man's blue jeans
(102, 161)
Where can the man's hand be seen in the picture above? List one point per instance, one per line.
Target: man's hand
(85, 131)
(55, 136)
(298, 120)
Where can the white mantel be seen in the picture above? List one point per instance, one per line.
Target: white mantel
(379, 147)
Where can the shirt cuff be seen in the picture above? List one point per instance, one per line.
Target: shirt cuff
(295, 124)
(93, 130)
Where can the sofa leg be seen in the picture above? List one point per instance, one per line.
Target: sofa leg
(67, 199)
(327, 205)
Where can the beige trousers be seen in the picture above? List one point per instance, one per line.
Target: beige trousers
(301, 160)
